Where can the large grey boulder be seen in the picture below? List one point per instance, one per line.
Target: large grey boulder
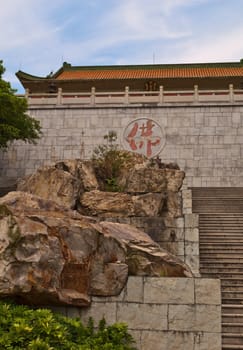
(51, 254)
(61, 182)
(117, 204)
(144, 190)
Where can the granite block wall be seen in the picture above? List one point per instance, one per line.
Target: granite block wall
(205, 140)
(163, 313)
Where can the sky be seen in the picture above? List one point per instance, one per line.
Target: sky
(37, 36)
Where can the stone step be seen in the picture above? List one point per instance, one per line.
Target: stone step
(232, 339)
(222, 269)
(217, 208)
(232, 309)
(220, 261)
(205, 254)
(223, 249)
(231, 281)
(220, 234)
(211, 256)
(233, 300)
(231, 294)
(224, 215)
(220, 237)
(232, 318)
(211, 229)
(229, 259)
(221, 253)
(220, 264)
(222, 244)
(221, 201)
(231, 347)
(232, 288)
(224, 230)
(215, 190)
(227, 225)
(232, 327)
(221, 275)
(220, 218)
(215, 228)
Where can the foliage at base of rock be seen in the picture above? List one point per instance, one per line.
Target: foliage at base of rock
(41, 329)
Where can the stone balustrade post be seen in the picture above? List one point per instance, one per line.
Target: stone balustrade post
(126, 97)
(231, 93)
(59, 96)
(196, 96)
(161, 94)
(92, 96)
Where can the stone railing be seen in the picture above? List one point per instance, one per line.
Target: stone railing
(128, 97)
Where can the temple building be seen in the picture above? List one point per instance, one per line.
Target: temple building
(172, 77)
(190, 115)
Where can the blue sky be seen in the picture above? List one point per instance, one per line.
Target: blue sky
(37, 36)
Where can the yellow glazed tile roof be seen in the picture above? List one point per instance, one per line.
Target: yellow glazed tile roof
(156, 73)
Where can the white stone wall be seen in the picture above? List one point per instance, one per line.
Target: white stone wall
(163, 313)
(205, 140)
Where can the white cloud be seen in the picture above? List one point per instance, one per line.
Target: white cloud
(224, 46)
(36, 36)
(140, 19)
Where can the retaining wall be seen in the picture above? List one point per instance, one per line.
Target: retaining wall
(163, 313)
(205, 140)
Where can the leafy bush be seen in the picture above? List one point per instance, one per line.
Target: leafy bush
(15, 123)
(22, 328)
(109, 161)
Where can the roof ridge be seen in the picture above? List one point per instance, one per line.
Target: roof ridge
(67, 66)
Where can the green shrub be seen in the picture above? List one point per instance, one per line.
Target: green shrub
(109, 161)
(22, 328)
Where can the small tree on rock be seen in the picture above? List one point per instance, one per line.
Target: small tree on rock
(15, 124)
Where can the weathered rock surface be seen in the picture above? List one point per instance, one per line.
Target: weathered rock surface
(50, 254)
(62, 182)
(146, 180)
(147, 191)
(116, 204)
(82, 170)
(52, 183)
(95, 203)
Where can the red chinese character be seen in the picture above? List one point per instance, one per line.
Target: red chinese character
(147, 130)
(144, 138)
(130, 138)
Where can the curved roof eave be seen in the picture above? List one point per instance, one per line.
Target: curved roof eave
(25, 76)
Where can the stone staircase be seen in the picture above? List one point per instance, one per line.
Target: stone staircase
(221, 253)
